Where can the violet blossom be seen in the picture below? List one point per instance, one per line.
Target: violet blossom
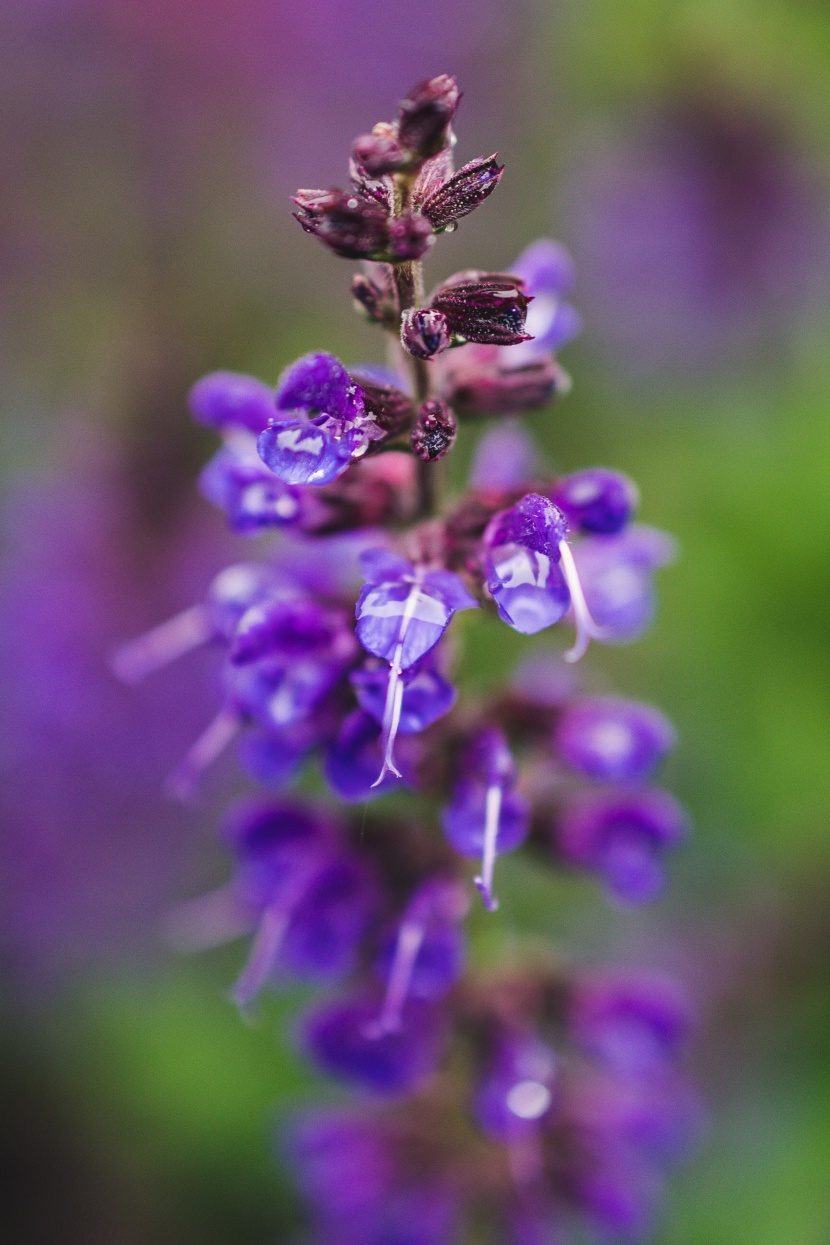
(540, 1092)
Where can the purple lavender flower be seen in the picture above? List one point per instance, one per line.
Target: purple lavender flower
(613, 740)
(402, 613)
(330, 428)
(616, 576)
(427, 696)
(355, 757)
(424, 957)
(516, 1090)
(548, 273)
(486, 816)
(622, 837)
(634, 1023)
(597, 501)
(345, 1040)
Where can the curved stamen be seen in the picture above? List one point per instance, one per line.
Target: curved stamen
(207, 921)
(410, 939)
(484, 882)
(162, 645)
(394, 690)
(586, 628)
(213, 741)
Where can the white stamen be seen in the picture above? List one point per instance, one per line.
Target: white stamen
(586, 628)
(163, 644)
(407, 948)
(484, 882)
(208, 747)
(395, 688)
(207, 921)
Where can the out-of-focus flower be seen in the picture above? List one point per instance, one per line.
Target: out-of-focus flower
(702, 235)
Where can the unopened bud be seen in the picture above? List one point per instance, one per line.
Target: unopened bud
(350, 225)
(390, 407)
(372, 300)
(380, 152)
(497, 390)
(434, 433)
(486, 307)
(410, 237)
(424, 332)
(425, 116)
(464, 191)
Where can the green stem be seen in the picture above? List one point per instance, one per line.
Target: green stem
(409, 283)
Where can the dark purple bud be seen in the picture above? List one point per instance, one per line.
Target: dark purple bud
(388, 406)
(464, 191)
(343, 1039)
(491, 388)
(622, 837)
(353, 227)
(372, 300)
(231, 399)
(613, 740)
(380, 152)
(434, 432)
(596, 500)
(425, 115)
(516, 1091)
(635, 1023)
(486, 307)
(410, 237)
(425, 332)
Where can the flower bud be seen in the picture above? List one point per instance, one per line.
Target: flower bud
(379, 152)
(486, 307)
(350, 225)
(410, 237)
(424, 332)
(372, 300)
(425, 116)
(390, 407)
(469, 187)
(434, 433)
(497, 390)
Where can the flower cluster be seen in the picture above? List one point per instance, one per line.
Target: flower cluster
(536, 1095)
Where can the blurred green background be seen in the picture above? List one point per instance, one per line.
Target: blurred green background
(680, 148)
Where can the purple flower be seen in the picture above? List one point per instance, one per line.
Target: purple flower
(237, 482)
(330, 428)
(427, 695)
(597, 501)
(622, 837)
(354, 758)
(516, 1091)
(231, 400)
(548, 272)
(613, 740)
(616, 575)
(636, 1024)
(531, 572)
(486, 816)
(424, 957)
(503, 460)
(702, 233)
(402, 613)
(344, 1040)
